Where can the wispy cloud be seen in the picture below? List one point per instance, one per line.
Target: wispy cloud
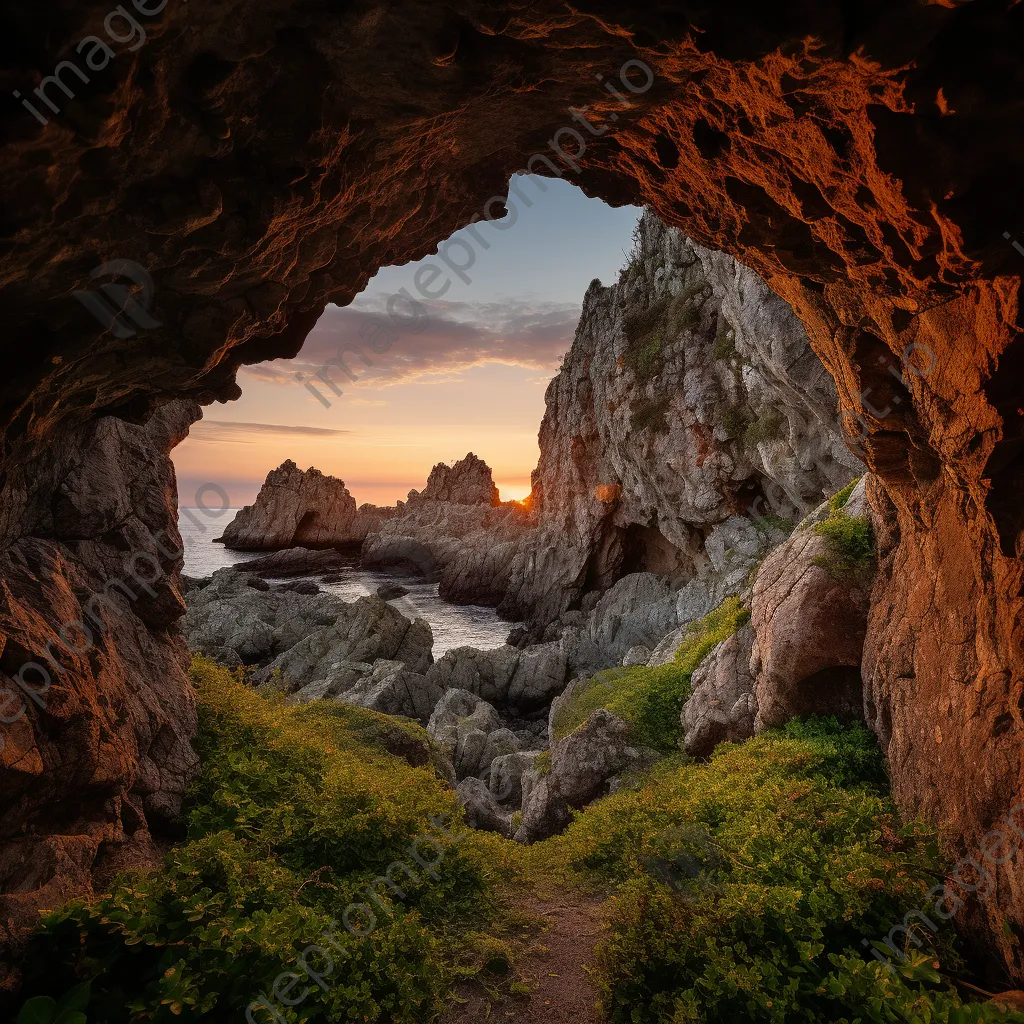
(234, 432)
(458, 336)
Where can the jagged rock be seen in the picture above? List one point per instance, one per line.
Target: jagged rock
(297, 508)
(505, 780)
(294, 562)
(636, 656)
(301, 587)
(581, 765)
(508, 677)
(721, 706)
(470, 732)
(468, 482)
(361, 631)
(389, 591)
(392, 688)
(482, 810)
(233, 622)
(809, 622)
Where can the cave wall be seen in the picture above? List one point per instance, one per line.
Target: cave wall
(262, 159)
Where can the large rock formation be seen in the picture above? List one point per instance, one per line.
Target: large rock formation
(861, 158)
(468, 482)
(297, 508)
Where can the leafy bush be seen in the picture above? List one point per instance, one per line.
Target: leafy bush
(751, 888)
(850, 539)
(651, 699)
(724, 346)
(295, 814)
(766, 427)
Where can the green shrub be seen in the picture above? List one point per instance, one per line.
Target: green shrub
(734, 419)
(750, 884)
(645, 335)
(295, 813)
(724, 346)
(651, 699)
(767, 427)
(543, 763)
(851, 543)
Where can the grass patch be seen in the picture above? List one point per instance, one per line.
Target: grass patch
(651, 699)
(724, 346)
(295, 812)
(748, 884)
(542, 764)
(851, 542)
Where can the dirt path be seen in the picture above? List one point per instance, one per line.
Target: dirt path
(561, 990)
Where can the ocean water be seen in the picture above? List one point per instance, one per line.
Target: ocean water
(454, 625)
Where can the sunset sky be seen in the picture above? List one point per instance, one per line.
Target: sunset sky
(472, 379)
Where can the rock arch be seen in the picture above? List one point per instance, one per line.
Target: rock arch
(261, 159)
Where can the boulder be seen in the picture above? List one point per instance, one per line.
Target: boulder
(809, 622)
(295, 562)
(506, 776)
(508, 677)
(364, 630)
(392, 688)
(238, 624)
(481, 809)
(389, 591)
(636, 656)
(721, 706)
(470, 733)
(581, 766)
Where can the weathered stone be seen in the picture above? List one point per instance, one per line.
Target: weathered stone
(505, 780)
(392, 688)
(467, 482)
(721, 706)
(482, 810)
(809, 620)
(297, 508)
(389, 591)
(295, 562)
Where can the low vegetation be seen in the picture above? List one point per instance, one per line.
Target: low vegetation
(294, 815)
(748, 888)
(851, 543)
(751, 888)
(651, 699)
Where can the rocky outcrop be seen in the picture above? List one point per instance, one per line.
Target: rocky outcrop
(235, 623)
(509, 678)
(361, 632)
(387, 686)
(297, 508)
(809, 615)
(467, 482)
(295, 562)
(721, 707)
(470, 733)
(96, 710)
(581, 766)
(481, 808)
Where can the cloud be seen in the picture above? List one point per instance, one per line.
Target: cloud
(234, 432)
(457, 336)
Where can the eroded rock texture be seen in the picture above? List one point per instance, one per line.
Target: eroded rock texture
(262, 159)
(301, 508)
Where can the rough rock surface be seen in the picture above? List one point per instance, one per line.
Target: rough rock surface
(809, 622)
(507, 677)
(470, 733)
(295, 562)
(581, 766)
(861, 158)
(467, 482)
(505, 779)
(236, 623)
(364, 630)
(481, 807)
(721, 706)
(301, 508)
(392, 688)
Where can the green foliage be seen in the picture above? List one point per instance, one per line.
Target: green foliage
(766, 427)
(735, 421)
(645, 335)
(748, 885)
(851, 542)
(724, 346)
(295, 813)
(651, 699)
(47, 1010)
(542, 764)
